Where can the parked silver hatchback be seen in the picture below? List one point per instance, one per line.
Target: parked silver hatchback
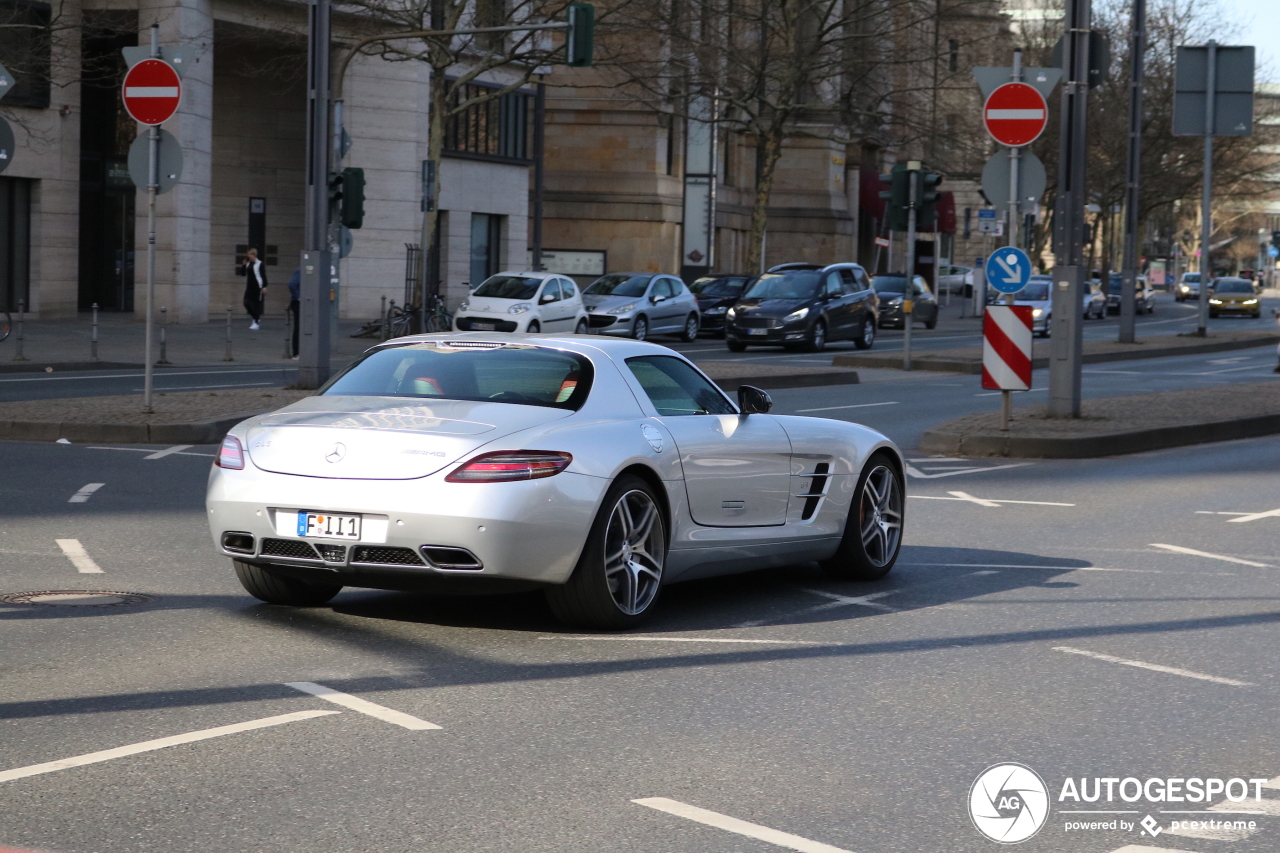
(637, 305)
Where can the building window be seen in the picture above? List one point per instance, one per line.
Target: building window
(493, 128)
(25, 48)
(486, 240)
(15, 242)
(953, 56)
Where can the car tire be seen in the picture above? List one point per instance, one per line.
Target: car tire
(534, 328)
(640, 328)
(866, 339)
(691, 325)
(870, 547)
(1213, 315)
(265, 585)
(817, 341)
(931, 324)
(619, 593)
(736, 346)
(582, 328)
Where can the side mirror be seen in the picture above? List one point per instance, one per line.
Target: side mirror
(546, 297)
(655, 299)
(753, 400)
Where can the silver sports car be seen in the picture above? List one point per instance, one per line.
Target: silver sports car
(598, 469)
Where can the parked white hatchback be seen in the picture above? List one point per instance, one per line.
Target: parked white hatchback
(528, 302)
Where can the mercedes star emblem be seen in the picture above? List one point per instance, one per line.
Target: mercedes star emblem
(336, 453)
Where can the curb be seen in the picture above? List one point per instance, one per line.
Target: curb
(974, 365)
(794, 380)
(1093, 446)
(65, 366)
(200, 432)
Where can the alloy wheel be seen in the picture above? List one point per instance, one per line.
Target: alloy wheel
(880, 516)
(640, 330)
(635, 549)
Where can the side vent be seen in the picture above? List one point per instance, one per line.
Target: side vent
(817, 490)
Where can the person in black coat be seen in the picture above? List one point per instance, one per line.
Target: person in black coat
(255, 286)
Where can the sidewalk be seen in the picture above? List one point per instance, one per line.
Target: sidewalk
(65, 344)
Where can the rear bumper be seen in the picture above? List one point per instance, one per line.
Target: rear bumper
(1236, 309)
(529, 530)
(776, 336)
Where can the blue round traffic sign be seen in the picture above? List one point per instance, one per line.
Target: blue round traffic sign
(1008, 270)
(1274, 252)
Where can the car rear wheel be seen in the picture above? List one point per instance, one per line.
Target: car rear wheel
(619, 574)
(817, 341)
(867, 337)
(264, 584)
(640, 329)
(736, 346)
(690, 329)
(583, 327)
(873, 532)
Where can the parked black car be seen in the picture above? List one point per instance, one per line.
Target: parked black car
(716, 294)
(892, 289)
(804, 306)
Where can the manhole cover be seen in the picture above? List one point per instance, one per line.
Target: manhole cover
(76, 598)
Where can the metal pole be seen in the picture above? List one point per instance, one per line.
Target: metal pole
(316, 262)
(1015, 155)
(153, 187)
(539, 169)
(22, 317)
(228, 357)
(907, 290)
(93, 337)
(164, 336)
(1006, 410)
(1133, 172)
(383, 314)
(1066, 341)
(1206, 197)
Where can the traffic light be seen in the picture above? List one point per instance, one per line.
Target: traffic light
(897, 197)
(927, 198)
(346, 192)
(579, 43)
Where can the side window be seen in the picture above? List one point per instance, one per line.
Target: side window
(550, 292)
(849, 281)
(919, 287)
(677, 286)
(662, 289)
(831, 287)
(567, 288)
(675, 388)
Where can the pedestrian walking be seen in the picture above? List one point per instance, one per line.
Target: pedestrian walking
(255, 286)
(295, 303)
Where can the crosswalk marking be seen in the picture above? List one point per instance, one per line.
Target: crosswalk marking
(74, 551)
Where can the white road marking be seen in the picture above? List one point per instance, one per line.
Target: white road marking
(169, 451)
(208, 387)
(138, 375)
(149, 450)
(855, 406)
(1267, 807)
(362, 706)
(996, 393)
(1178, 549)
(1171, 670)
(1046, 568)
(79, 558)
(987, 572)
(989, 502)
(1212, 512)
(1271, 513)
(738, 827)
(158, 743)
(1273, 784)
(869, 600)
(684, 640)
(915, 472)
(85, 493)
(1139, 848)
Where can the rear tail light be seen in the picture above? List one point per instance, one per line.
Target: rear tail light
(505, 465)
(231, 454)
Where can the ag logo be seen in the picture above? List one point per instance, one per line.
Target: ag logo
(1008, 803)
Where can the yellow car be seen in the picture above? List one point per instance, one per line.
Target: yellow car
(1233, 296)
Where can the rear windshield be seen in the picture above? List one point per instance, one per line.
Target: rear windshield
(708, 287)
(792, 284)
(889, 284)
(1036, 291)
(1232, 285)
(508, 287)
(619, 284)
(521, 374)
(1191, 277)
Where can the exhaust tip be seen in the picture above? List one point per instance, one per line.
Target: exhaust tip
(240, 543)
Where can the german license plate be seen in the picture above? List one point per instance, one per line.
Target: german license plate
(323, 525)
(483, 327)
(757, 331)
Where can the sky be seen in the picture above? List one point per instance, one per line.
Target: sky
(1259, 24)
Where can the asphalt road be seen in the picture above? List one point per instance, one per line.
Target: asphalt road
(952, 331)
(1108, 618)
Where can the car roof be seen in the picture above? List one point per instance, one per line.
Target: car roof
(801, 265)
(587, 345)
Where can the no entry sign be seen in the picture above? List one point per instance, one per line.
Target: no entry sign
(1015, 114)
(152, 91)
